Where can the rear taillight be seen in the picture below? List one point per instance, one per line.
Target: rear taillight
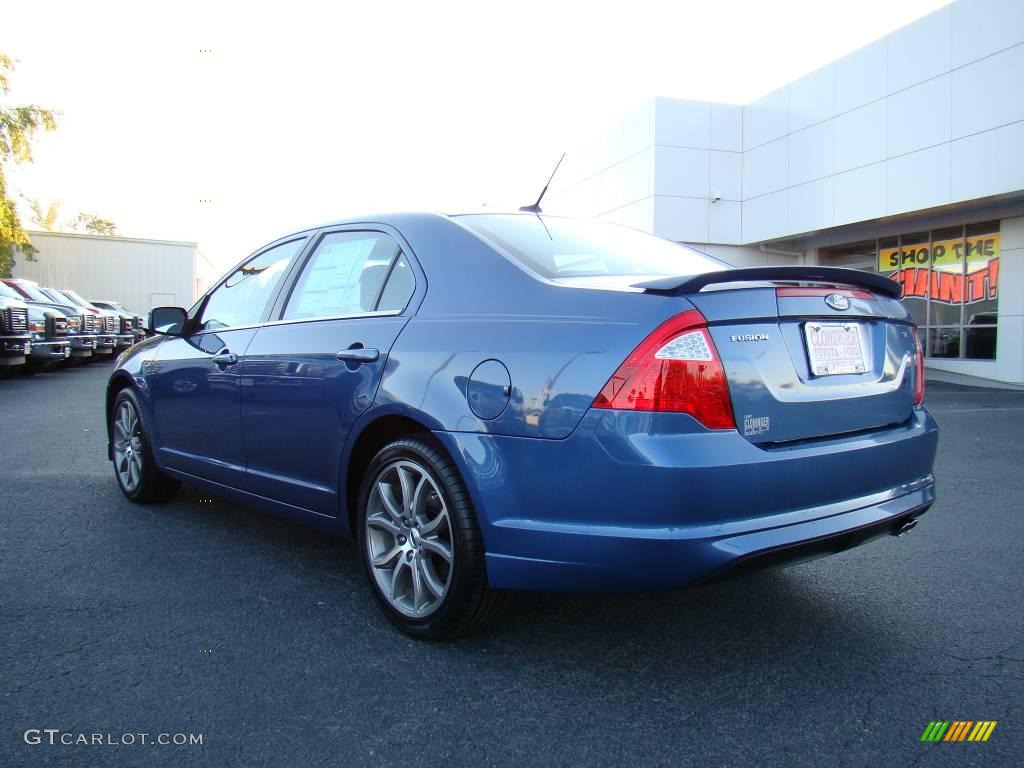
(919, 369)
(677, 369)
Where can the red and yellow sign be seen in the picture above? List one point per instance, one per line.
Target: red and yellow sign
(938, 267)
(939, 253)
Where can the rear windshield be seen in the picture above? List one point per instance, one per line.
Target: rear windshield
(556, 247)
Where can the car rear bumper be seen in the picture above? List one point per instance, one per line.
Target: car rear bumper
(637, 502)
(624, 560)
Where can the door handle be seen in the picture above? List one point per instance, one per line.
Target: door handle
(225, 358)
(359, 355)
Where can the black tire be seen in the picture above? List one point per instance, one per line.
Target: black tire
(469, 604)
(153, 485)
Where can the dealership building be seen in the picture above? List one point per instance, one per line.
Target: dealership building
(904, 158)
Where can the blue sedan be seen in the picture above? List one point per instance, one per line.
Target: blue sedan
(496, 402)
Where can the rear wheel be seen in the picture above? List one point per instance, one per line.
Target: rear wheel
(421, 545)
(136, 471)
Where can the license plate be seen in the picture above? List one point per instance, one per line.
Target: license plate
(28, 347)
(67, 351)
(835, 348)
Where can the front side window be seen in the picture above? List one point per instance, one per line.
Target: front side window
(242, 297)
(346, 276)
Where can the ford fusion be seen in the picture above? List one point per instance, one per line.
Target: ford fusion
(501, 402)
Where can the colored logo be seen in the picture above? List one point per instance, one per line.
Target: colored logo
(837, 301)
(959, 730)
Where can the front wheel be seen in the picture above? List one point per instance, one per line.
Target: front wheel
(421, 545)
(136, 471)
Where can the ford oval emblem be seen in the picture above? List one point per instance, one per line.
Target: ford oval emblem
(837, 301)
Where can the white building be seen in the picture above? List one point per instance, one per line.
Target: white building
(140, 274)
(899, 158)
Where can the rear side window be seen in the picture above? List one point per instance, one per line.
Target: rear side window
(399, 288)
(557, 247)
(242, 297)
(346, 275)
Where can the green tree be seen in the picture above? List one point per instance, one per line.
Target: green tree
(18, 125)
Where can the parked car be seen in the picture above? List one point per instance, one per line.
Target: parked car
(103, 323)
(15, 340)
(391, 380)
(81, 340)
(130, 322)
(113, 322)
(48, 330)
(50, 347)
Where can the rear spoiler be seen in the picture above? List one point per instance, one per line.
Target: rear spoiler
(831, 275)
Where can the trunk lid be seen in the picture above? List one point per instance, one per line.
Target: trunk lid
(802, 368)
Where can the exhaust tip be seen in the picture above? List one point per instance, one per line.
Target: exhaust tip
(902, 528)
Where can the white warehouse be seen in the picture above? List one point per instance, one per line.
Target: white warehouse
(140, 274)
(905, 157)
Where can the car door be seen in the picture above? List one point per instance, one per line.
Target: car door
(308, 376)
(194, 377)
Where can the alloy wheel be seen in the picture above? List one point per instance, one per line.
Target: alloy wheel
(409, 539)
(128, 446)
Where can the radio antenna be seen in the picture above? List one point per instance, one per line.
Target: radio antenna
(535, 208)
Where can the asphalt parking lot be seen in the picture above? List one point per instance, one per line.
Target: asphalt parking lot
(200, 616)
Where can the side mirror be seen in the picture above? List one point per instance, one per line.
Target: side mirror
(167, 321)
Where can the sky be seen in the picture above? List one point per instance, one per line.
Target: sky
(233, 123)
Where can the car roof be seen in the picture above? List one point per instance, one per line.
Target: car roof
(391, 218)
(397, 218)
